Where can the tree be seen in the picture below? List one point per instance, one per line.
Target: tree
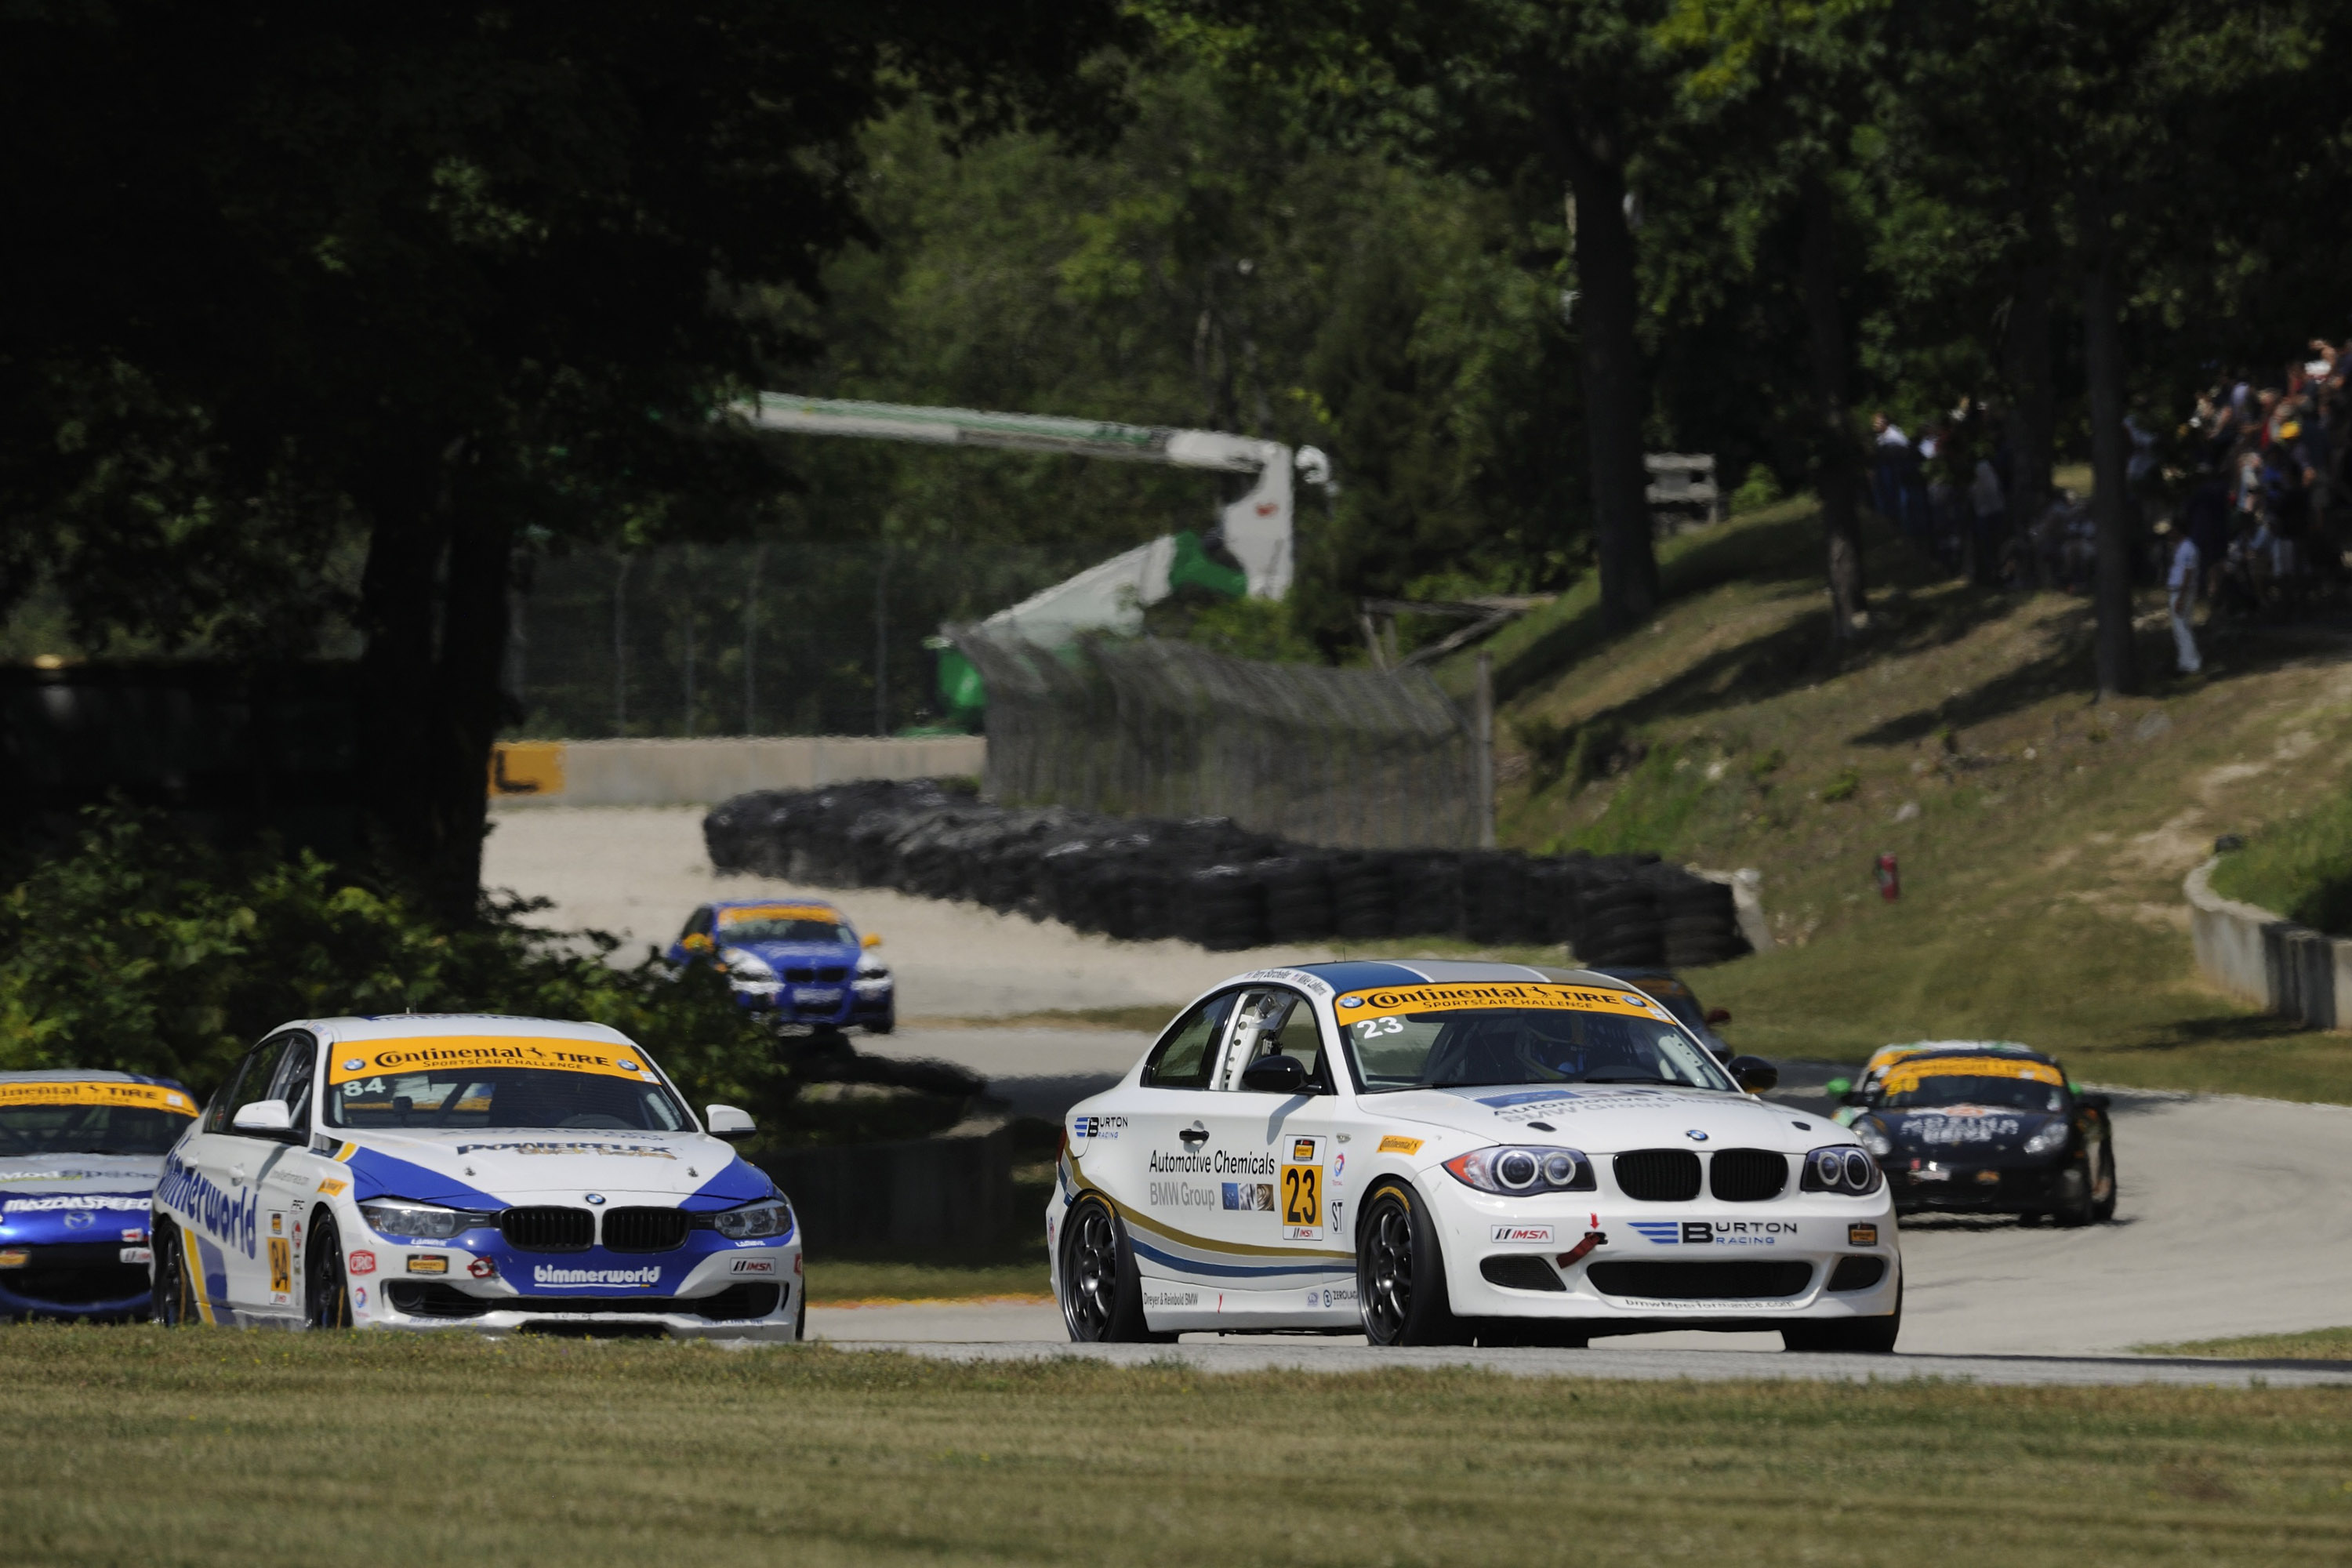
(432, 277)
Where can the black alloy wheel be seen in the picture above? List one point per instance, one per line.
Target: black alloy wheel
(1102, 1291)
(2075, 1205)
(172, 1299)
(2102, 1185)
(326, 1294)
(1400, 1273)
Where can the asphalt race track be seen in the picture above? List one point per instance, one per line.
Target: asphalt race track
(2232, 1218)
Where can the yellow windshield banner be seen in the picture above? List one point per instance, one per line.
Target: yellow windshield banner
(1905, 1077)
(439, 1053)
(96, 1092)
(1462, 997)
(779, 912)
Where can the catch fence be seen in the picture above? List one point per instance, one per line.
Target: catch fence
(1147, 727)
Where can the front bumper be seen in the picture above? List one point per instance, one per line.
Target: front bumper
(1959, 1187)
(107, 1281)
(711, 1288)
(1696, 1265)
(848, 1002)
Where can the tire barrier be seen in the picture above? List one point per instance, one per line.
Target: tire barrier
(1219, 886)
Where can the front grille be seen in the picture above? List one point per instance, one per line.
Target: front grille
(1701, 1281)
(548, 1229)
(1747, 1175)
(1521, 1271)
(1658, 1175)
(647, 1230)
(1857, 1272)
(737, 1303)
(823, 973)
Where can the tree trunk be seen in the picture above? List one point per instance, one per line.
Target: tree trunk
(434, 609)
(1613, 396)
(2032, 407)
(1833, 451)
(2103, 362)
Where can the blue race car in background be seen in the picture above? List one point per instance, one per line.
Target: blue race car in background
(80, 1152)
(797, 958)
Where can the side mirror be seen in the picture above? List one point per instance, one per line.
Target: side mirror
(1717, 1015)
(1274, 1075)
(264, 1116)
(1854, 1096)
(1753, 1074)
(697, 942)
(871, 939)
(727, 1122)
(1836, 1086)
(2092, 1102)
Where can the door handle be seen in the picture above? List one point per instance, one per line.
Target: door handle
(1196, 1133)
(236, 1174)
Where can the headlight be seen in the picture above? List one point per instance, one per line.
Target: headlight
(396, 1217)
(1513, 1171)
(770, 1216)
(1841, 1168)
(1873, 1137)
(874, 972)
(2050, 1140)
(745, 965)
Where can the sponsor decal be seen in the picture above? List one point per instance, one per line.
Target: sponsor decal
(95, 1202)
(1527, 1097)
(1181, 1194)
(1961, 1125)
(1217, 1162)
(135, 1233)
(331, 1186)
(1302, 1149)
(15, 1257)
(1332, 1296)
(459, 1053)
(80, 1091)
(750, 913)
(1456, 998)
(1535, 1233)
(1253, 1197)
(281, 1268)
(1335, 1213)
(1768, 1304)
(1396, 1144)
(1098, 1126)
(1904, 1076)
(483, 1268)
(427, 1263)
(235, 1220)
(639, 1151)
(138, 1255)
(1172, 1297)
(359, 1297)
(362, 1262)
(1862, 1236)
(277, 1224)
(753, 1265)
(1301, 1189)
(1719, 1233)
(555, 1277)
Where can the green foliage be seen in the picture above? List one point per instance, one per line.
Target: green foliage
(1651, 809)
(1844, 786)
(1756, 490)
(2301, 868)
(146, 951)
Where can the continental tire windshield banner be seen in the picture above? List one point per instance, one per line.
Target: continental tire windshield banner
(1438, 997)
(750, 913)
(475, 1053)
(1904, 1076)
(96, 1092)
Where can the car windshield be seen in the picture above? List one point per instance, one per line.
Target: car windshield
(31, 1129)
(1462, 1047)
(1912, 1090)
(785, 928)
(504, 1096)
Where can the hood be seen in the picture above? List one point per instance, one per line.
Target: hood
(77, 1197)
(1606, 1118)
(493, 1167)
(1979, 1130)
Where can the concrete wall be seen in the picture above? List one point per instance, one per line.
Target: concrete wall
(948, 1194)
(702, 773)
(2271, 962)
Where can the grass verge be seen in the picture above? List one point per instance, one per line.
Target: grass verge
(2318, 1344)
(201, 1446)
(2301, 868)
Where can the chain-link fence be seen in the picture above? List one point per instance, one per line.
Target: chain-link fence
(1354, 758)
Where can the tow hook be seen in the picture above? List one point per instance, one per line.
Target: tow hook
(1593, 1238)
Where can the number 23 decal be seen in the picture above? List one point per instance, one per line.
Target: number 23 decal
(1302, 1195)
(1368, 1027)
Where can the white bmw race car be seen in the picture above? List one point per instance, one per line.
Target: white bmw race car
(484, 1173)
(1426, 1152)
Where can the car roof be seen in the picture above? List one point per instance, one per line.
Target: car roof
(439, 1026)
(86, 1075)
(1367, 975)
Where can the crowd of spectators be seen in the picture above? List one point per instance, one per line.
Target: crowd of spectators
(2242, 506)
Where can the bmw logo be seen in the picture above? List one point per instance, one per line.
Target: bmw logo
(1350, 1001)
(353, 1064)
(595, 1197)
(628, 1065)
(1695, 1136)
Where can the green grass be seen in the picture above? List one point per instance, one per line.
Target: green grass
(2301, 868)
(2041, 836)
(2318, 1344)
(198, 1447)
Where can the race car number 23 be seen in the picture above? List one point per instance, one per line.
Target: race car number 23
(1302, 1202)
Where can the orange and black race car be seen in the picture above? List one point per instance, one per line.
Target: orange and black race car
(1989, 1128)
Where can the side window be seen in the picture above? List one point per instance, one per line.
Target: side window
(1277, 1023)
(253, 1073)
(294, 1076)
(1187, 1053)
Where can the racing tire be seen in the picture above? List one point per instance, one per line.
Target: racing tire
(883, 1028)
(2103, 1205)
(326, 1291)
(1864, 1336)
(1400, 1273)
(172, 1302)
(2075, 1206)
(1102, 1291)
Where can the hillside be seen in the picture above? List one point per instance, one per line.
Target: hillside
(2041, 836)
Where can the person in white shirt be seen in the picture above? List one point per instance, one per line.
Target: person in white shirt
(2187, 566)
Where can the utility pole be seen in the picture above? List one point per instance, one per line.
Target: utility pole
(1482, 740)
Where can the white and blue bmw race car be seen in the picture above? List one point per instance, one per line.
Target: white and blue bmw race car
(1426, 1152)
(486, 1173)
(80, 1153)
